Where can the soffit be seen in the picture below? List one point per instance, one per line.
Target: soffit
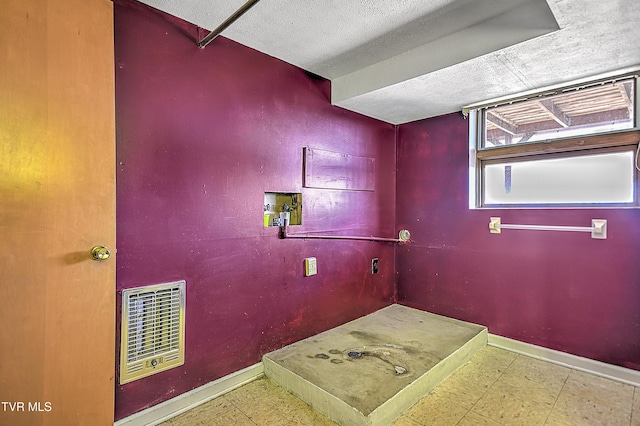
(406, 60)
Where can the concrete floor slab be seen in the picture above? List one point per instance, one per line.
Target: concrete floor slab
(370, 370)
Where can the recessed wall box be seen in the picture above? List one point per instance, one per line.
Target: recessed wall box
(287, 204)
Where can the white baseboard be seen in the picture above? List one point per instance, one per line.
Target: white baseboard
(186, 401)
(609, 371)
(164, 411)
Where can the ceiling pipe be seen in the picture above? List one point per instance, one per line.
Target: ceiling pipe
(230, 20)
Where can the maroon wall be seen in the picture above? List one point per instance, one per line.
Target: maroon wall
(562, 290)
(201, 135)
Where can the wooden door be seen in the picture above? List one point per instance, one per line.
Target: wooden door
(57, 200)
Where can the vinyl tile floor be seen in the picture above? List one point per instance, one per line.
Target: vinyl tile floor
(495, 387)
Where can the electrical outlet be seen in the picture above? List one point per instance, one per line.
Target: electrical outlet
(310, 266)
(374, 265)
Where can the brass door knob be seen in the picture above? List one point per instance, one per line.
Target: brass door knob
(100, 253)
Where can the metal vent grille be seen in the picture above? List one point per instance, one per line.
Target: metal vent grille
(152, 338)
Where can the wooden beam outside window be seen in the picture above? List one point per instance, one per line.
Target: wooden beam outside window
(626, 91)
(501, 123)
(555, 113)
(561, 145)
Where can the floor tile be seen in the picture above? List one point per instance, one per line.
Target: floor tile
(260, 389)
(635, 414)
(586, 399)
(503, 406)
(495, 387)
(471, 381)
(551, 376)
(524, 394)
(215, 412)
(265, 404)
(466, 389)
(405, 421)
(524, 389)
(303, 414)
(265, 414)
(437, 408)
(599, 388)
(582, 415)
(473, 419)
(496, 358)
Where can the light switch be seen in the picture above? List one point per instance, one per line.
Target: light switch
(310, 266)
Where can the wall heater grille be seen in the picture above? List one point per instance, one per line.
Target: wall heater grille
(152, 338)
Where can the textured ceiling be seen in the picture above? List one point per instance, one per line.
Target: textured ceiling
(405, 60)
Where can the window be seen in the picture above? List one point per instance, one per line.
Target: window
(576, 146)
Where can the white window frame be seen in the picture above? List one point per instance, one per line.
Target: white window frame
(600, 141)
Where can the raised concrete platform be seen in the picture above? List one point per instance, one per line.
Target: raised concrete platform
(370, 370)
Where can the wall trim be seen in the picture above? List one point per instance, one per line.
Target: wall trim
(166, 410)
(188, 400)
(609, 371)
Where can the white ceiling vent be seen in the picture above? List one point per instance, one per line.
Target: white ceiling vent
(152, 338)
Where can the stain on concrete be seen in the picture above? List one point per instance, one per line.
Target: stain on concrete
(400, 370)
(393, 356)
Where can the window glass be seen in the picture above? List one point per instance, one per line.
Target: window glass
(583, 179)
(596, 109)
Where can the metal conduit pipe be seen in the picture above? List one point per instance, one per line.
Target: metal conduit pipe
(230, 20)
(342, 237)
(403, 237)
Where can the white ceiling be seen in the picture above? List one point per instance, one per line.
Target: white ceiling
(404, 60)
